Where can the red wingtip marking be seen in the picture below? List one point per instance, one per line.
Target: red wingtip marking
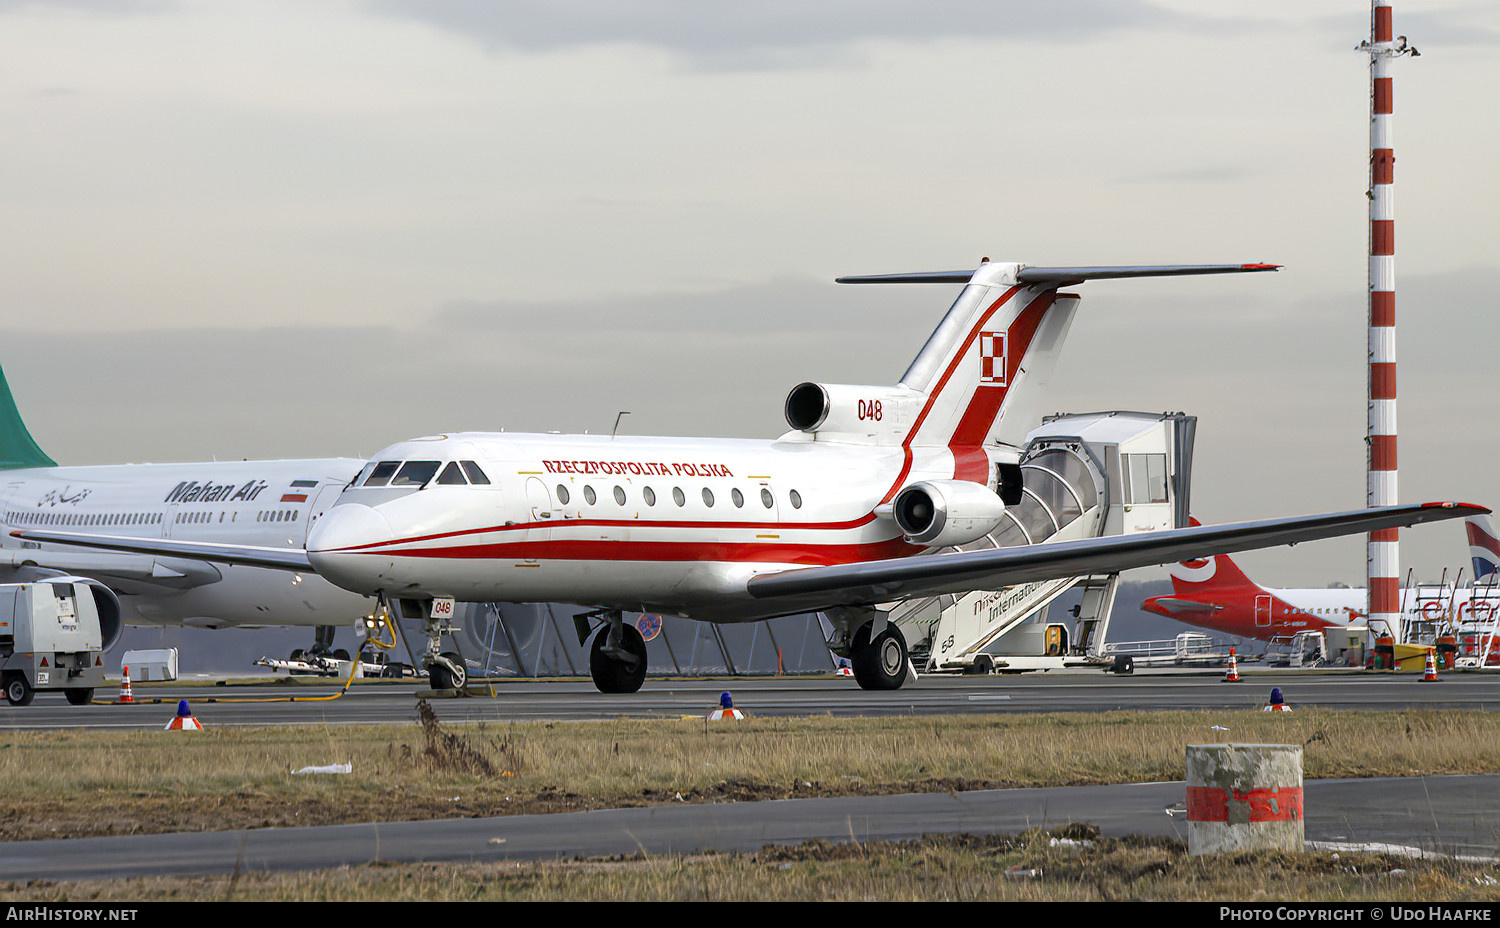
(1261, 267)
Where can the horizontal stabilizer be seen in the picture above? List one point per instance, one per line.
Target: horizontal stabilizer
(1062, 276)
(1184, 606)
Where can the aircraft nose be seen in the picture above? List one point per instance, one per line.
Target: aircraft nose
(339, 547)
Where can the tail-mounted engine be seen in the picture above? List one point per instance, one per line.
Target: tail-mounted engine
(865, 415)
(939, 513)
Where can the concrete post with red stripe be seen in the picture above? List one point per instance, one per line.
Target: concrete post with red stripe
(1244, 797)
(1383, 562)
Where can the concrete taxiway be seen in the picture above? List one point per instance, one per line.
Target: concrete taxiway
(574, 700)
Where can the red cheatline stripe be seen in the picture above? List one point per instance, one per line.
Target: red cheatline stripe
(731, 552)
(1253, 806)
(1383, 380)
(1383, 308)
(865, 519)
(1382, 452)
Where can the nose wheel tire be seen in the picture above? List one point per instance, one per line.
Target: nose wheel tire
(879, 664)
(620, 672)
(450, 675)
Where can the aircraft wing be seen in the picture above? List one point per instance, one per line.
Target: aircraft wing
(809, 588)
(249, 555)
(168, 573)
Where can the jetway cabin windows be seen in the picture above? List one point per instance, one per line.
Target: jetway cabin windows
(1145, 478)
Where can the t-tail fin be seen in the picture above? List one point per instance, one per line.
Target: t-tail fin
(1209, 574)
(1484, 548)
(17, 449)
(984, 366)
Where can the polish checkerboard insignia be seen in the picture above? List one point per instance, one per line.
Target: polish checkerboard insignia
(992, 359)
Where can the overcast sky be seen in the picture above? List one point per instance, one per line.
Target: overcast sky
(241, 229)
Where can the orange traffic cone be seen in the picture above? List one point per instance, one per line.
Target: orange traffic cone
(125, 696)
(1429, 675)
(1233, 676)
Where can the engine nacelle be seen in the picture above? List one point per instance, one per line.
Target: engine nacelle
(841, 412)
(939, 513)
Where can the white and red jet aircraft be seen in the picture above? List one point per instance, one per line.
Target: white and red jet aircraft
(848, 510)
(1215, 593)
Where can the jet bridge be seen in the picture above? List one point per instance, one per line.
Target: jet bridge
(1085, 475)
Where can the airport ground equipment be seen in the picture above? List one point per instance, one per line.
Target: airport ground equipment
(50, 640)
(153, 665)
(371, 664)
(1304, 649)
(1188, 649)
(1083, 475)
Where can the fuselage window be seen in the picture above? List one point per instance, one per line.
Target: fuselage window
(765, 497)
(738, 497)
(381, 475)
(588, 495)
(796, 499)
(708, 497)
(415, 473)
(678, 496)
(476, 476)
(562, 494)
(620, 495)
(649, 495)
(451, 476)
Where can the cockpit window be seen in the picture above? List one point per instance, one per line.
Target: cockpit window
(415, 473)
(381, 475)
(364, 475)
(476, 476)
(451, 476)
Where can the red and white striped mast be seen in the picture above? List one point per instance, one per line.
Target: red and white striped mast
(1382, 560)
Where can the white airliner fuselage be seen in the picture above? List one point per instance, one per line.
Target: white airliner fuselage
(641, 524)
(268, 503)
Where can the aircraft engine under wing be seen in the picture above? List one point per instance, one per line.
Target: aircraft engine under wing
(871, 582)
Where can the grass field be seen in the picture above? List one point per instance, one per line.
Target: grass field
(105, 783)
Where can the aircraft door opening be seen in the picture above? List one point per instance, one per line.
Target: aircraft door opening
(539, 502)
(1262, 611)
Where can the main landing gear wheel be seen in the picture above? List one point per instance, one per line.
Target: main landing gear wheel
(625, 670)
(448, 674)
(879, 664)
